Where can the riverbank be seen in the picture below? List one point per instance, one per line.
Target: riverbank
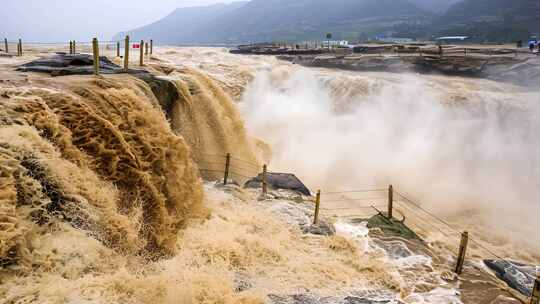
(522, 70)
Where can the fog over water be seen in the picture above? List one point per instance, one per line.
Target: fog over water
(103, 202)
(466, 148)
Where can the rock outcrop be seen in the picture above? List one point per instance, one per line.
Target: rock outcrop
(519, 276)
(280, 181)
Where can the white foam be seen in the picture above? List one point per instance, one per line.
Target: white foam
(436, 296)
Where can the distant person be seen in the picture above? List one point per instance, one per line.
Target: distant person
(440, 50)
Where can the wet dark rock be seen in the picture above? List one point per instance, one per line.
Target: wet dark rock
(323, 228)
(311, 299)
(63, 64)
(517, 70)
(165, 91)
(356, 300)
(518, 276)
(393, 227)
(465, 66)
(285, 181)
(368, 63)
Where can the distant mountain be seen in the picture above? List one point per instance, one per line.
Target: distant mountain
(181, 26)
(297, 20)
(492, 20)
(521, 11)
(271, 20)
(265, 20)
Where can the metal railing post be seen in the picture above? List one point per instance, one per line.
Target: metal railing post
(95, 46)
(462, 252)
(151, 46)
(227, 167)
(141, 58)
(390, 201)
(126, 54)
(317, 208)
(264, 181)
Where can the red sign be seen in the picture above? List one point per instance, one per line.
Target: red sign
(136, 46)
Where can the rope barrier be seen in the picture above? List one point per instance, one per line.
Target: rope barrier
(427, 212)
(234, 158)
(241, 166)
(210, 170)
(472, 240)
(500, 258)
(354, 200)
(355, 208)
(207, 154)
(62, 43)
(223, 171)
(354, 191)
(212, 163)
(419, 217)
(232, 172)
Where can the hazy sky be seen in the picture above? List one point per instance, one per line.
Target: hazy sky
(61, 20)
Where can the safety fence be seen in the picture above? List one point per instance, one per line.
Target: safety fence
(454, 51)
(465, 52)
(126, 49)
(364, 202)
(229, 167)
(396, 206)
(390, 204)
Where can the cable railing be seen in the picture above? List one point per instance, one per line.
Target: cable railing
(228, 167)
(452, 233)
(456, 51)
(129, 51)
(363, 201)
(420, 220)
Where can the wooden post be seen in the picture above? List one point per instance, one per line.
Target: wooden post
(465, 52)
(151, 46)
(117, 49)
(141, 48)
(462, 252)
(70, 47)
(95, 47)
(74, 47)
(146, 48)
(6, 45)
(20, 52)
(227, 166)
(390, 201)
(317, 208)
(264, 182)
(535, 298)
(126, 54)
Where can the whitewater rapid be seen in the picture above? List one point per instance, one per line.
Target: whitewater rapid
(459, 145)
(103, 202)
